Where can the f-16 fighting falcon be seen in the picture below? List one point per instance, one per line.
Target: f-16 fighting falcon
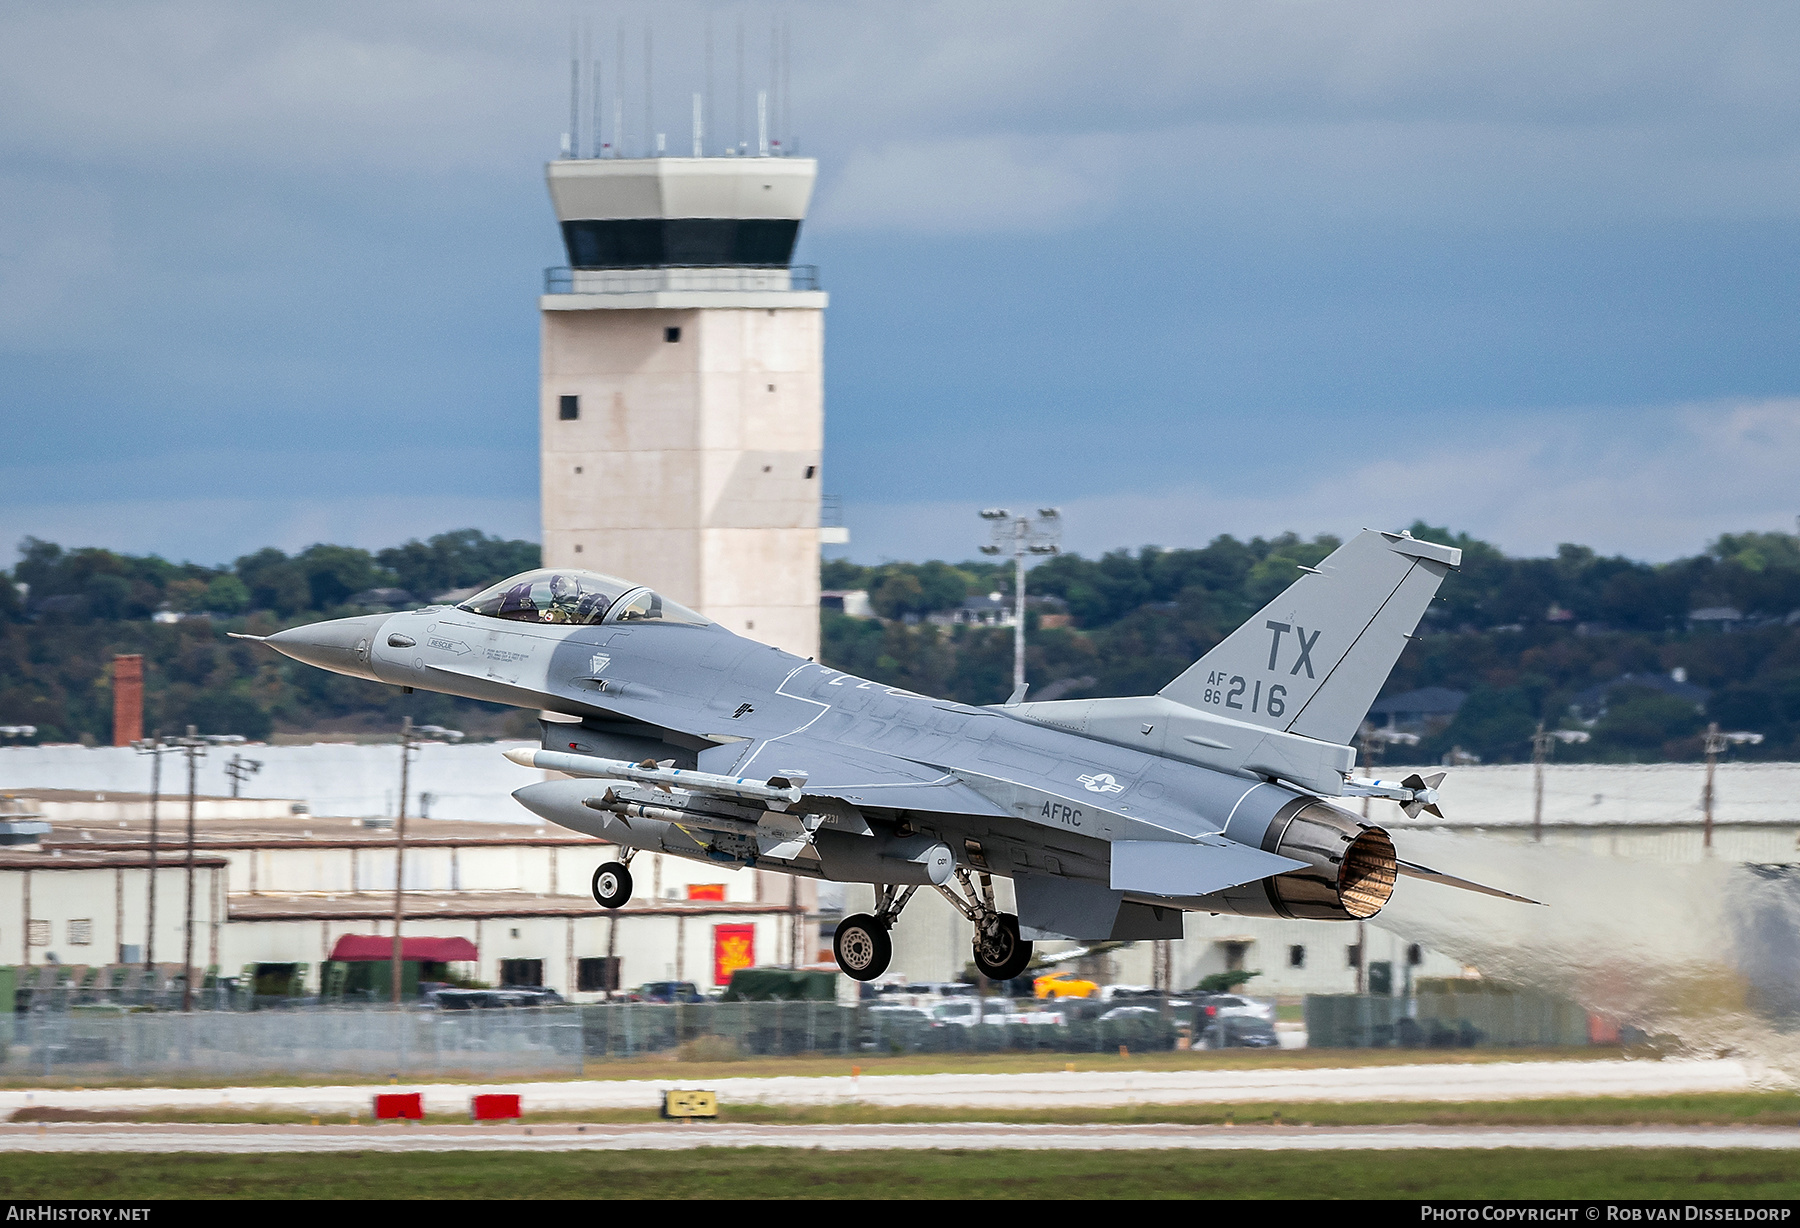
(1112, 817)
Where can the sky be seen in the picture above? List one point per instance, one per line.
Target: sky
(268, 273)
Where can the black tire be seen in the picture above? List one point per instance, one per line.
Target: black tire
(612, 885)
(862, 947)
(1002, 955)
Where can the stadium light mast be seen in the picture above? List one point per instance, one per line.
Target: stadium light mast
(1020, 536)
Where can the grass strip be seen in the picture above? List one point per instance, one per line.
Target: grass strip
(771, 1173)
(1713, 1109)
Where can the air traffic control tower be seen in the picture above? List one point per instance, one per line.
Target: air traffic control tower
(682, 399)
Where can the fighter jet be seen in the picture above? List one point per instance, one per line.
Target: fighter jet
(1112, 817)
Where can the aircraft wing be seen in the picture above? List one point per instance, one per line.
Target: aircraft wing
(853, 774)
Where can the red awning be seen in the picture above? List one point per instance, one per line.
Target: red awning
(365, 947)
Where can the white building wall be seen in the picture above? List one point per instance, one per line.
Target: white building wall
(117, 917)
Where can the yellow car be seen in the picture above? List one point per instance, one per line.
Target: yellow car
(1063, 985)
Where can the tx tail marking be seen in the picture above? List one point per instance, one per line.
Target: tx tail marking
(1305, 641)
(1306, 647)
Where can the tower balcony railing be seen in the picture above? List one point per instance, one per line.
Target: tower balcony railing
(565, 280)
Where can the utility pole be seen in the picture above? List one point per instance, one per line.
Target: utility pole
(410, 738)
(153, 747)
(406, 754)
(1020, 536)
(1717, 744)
(194, 745)
(195, 749)
(1542, 743)
(1371, 749)
(241, 769)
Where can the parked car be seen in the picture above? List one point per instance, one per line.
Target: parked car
(967, 1012)
(1238, 1032)
(884, 1025)
(1129, 1012)
(482, 999)
(667, 991)
(1220, 1004)
(1118, 995)
(1064, 985)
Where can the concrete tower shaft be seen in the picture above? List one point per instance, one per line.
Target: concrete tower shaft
(682, 395)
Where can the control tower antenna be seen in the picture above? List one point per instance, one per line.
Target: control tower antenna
(618, 146)
(572, 139)
(649, 98)
(595, 144)
(737, 145)
(708, 83)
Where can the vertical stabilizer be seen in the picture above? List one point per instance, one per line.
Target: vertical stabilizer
(1313, 660)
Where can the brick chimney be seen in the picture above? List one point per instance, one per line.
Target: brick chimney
(128, 699)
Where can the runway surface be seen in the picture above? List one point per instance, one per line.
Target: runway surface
(1062, 1089)
(83, 1137)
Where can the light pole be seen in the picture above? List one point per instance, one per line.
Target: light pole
(194, 745)
(1716, 744)
(410, 738)
(1020, 536)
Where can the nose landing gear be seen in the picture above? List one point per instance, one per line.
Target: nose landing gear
(612, 883)
(862, 946)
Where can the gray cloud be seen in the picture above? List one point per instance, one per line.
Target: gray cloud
(278, 224)
(1675, 479)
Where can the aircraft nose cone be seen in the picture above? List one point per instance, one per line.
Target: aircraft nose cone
(342, 645)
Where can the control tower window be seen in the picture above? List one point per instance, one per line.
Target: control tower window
(671, 334)
(568, 408)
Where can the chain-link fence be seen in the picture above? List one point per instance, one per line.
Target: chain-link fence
(553, 1040)
(1443, 1020)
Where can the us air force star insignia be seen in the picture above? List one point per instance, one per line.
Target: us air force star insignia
(598, 662)
(1101, 783)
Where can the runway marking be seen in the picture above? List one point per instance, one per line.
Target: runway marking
(968, 1136)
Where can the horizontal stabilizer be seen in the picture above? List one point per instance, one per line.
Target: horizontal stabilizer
(1450, 880)
(1162, 867)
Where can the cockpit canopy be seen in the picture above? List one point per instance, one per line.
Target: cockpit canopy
(567, 596)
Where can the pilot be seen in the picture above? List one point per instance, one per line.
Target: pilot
(591, 607)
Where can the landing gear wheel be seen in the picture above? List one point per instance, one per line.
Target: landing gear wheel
(862, 947)
(612, 885)
(1000, 953)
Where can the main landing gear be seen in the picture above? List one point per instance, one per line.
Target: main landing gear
(1000, 953)
(864, 949)
(612, 882)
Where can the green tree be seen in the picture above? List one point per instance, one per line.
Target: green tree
(463, 558)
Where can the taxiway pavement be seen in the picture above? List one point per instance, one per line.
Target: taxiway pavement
(1482, 1081)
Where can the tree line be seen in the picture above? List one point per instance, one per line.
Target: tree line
(1522, 636)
